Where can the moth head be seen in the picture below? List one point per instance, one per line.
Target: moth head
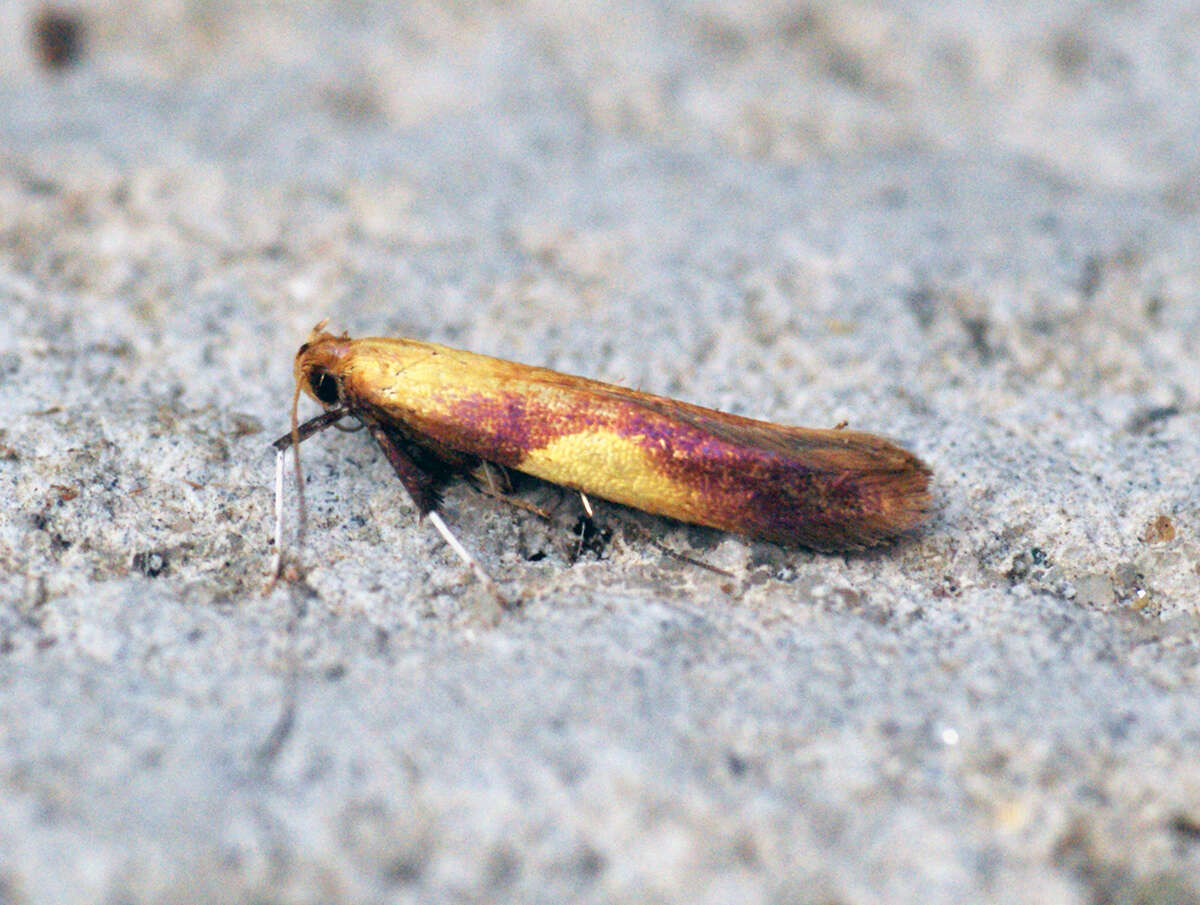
(319, 364)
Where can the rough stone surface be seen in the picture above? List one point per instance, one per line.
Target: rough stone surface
(971, 227)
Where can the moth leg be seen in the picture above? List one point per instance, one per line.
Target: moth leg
(629, 527)
(420, 484)
(588, 521)
(463, 554)
(590, 533)
(422, 487)
(493, 480)
(310, 427)
(683, 557)
(496, 478)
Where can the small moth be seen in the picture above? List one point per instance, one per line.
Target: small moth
(437, 412)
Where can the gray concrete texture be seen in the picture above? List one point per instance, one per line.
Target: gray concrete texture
(972, 227)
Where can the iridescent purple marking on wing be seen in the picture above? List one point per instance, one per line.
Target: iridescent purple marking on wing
(764, 490)
(755, 490)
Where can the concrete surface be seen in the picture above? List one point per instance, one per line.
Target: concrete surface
(970, 227)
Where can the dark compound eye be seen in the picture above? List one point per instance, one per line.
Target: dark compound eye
(324, 387)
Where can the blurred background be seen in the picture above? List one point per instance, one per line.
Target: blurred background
(971, 226)
(1102, 93)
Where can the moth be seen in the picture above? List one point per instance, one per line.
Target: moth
(437, 412)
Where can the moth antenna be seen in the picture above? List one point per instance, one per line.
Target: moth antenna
(280, 453)
(293, 438)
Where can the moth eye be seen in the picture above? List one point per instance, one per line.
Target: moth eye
(324, 387)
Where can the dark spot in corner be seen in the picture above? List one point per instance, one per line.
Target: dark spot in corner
(58, 38)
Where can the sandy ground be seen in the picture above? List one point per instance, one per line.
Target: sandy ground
(969, 227)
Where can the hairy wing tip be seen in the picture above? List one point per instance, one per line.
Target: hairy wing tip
(905, 502)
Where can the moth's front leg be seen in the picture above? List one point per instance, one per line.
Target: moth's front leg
(421, 485)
